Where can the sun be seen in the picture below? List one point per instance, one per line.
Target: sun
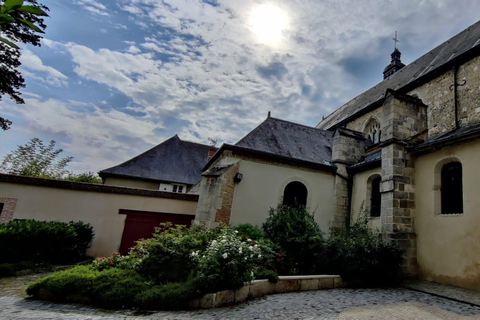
(268, 22)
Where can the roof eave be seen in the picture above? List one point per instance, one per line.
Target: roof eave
(279, 158)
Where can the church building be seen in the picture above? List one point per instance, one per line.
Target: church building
(407, 151)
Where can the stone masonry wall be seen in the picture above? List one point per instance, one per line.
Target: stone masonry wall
(227, 190)
(438, 95)
(8, 209)
(403, 118)
(346, 150)
(359, 123)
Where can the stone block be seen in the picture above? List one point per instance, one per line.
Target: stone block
(207, 301)
(261, 288)
(325, 283)
(242, 293)
(287, 286)
(338, 283)
(309, 284)
(224, 297)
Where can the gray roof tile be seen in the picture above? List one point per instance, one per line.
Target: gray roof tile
(287, 139)
(173, 160)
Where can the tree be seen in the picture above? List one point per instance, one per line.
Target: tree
(18, 24)
(36, 160)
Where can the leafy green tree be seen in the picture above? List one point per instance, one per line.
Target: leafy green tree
(19, 23)
(88, 177)
(36, 160)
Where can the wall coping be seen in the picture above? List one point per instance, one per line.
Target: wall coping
(91, 187)
(259, 288)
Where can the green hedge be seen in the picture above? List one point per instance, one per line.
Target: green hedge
(111, 288)
(51, 241)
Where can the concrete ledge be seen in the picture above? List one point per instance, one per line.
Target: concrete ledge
(259, 288)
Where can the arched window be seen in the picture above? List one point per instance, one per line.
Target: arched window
(376, 198)
(451, 188)
(295, 194)
(372, 131)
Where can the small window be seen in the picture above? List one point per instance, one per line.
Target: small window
(174, 188)
(295, 195)
(376, 198)
(1, 208)
(452, 188)
(180, 189)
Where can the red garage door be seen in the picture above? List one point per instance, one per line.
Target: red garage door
(141, 225)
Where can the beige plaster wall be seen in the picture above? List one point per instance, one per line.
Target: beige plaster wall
(98, 209)
(263, 185)
(361, 198)
(132, 183)
(449, 245)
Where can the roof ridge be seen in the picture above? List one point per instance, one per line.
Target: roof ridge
(440, 47)
(297, 124)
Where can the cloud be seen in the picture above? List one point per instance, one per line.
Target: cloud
(198, 69)
(96, 137)
(37, 70)
(93, 6)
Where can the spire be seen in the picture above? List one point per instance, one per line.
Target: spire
(396, 63)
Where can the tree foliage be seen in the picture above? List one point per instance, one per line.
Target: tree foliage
(36, 159)
(19, 23)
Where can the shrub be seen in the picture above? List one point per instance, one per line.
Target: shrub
(227, 263)
(167, 256)
(299, 237)
(116, 288)
(116, 260)
(361, 257)
(50, 241)
(248, 231)
(112, 288)
(270, 275)
(167, 296)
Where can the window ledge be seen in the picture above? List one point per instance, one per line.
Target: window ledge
(449, 214)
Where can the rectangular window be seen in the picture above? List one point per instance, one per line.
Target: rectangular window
(1, 208)
(175, 188)
(180, 189)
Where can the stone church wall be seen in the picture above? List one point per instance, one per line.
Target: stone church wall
(360, 123)
(439, 97)
(448, 244)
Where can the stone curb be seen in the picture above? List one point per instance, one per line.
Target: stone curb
(260, 288)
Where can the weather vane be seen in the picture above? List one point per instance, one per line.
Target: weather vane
(395, 39)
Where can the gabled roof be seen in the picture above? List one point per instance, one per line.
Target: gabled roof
(173, 160)
(291, 140)
(461, 47)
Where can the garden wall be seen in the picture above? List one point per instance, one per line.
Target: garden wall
(99, 205)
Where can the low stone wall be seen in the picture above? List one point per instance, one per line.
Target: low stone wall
(259, 288)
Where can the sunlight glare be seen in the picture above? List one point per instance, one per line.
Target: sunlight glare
(268, 22)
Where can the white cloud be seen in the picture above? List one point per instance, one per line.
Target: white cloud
(96, 137)
(41, 72)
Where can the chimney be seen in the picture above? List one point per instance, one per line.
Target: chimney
(211, 152)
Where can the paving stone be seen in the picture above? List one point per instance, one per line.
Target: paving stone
(342, 303)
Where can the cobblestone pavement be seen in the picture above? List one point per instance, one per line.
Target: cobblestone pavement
(344, 304)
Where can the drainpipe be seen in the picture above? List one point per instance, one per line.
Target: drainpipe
(455, 95)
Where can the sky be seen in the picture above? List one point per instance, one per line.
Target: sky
(115, 78)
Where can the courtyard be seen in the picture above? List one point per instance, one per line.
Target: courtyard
(442, 302)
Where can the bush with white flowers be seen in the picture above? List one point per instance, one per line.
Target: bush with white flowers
(227, 262)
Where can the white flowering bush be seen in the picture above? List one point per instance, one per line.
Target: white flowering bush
(227, 263)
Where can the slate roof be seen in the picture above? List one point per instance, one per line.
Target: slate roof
(173, 160)
(291, 140)
(462, 46)
(453, 136)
